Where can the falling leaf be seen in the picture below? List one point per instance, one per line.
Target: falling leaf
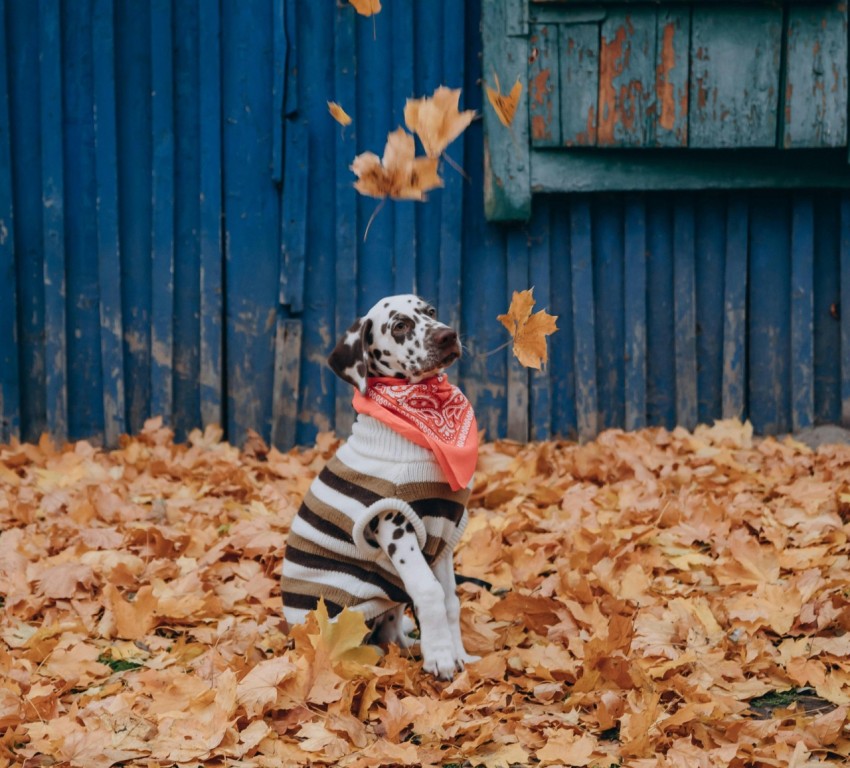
(505, 105)
(399, 175)
(339, 114)
(366, 7)
(437, 120)
(529, 331)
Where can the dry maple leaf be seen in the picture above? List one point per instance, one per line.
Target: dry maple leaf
(342, 638)
(339, 114)
(437, 120)
(529, 331)
(366, 7)
(504, 104)
(399, 175)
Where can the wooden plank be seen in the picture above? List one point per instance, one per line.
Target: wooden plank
(634, 308)
(802, 312)
(815, 112)
(627, 78)
(507, 192)
(579, 83)
(735, 308)
(404, 215)
(210, 214)
(561, 345)
(684, 312)
(53, 217)
(584, 328)
(595, 170)
(279, 54)
(544, 85)
(9, 384)
(290, 83)
(345, 306)
(293, 218)
(517, 406)
(108, 250)
(844, 272)
(827, 302)
(162, 226)
(672, 68)
(734, 79)
(516, 18)
(451, 198)
(540, 277)
(286, 389)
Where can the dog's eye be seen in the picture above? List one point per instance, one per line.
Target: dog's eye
(399, 326)
(431, 312)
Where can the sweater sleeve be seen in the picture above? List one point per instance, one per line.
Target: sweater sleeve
(390, 506)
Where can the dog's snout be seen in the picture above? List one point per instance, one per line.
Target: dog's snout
(445, 338)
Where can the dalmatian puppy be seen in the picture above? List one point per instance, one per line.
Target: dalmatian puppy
(376, 531)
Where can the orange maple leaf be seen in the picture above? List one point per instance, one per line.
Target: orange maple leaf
(399, 175)
(437, 120)
(342, 638)
(339, 114)
(529, 331)
(366, 7)
(504, 104)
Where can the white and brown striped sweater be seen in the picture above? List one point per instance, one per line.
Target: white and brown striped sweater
(330, 552)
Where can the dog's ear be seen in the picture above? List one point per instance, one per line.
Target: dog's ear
(350, 357)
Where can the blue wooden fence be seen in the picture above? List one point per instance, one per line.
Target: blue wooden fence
(179, 235)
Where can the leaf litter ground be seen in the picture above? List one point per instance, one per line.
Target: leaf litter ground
(658, 598)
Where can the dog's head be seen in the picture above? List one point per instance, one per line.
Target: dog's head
(399, 337)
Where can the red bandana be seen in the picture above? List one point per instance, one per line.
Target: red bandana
(434, 414)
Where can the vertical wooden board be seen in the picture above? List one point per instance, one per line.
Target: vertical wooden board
(684, 312)
(517, 253)
(210, 240)
(735, 291)
(827, 314)
(734, 78)
(290, 83)
(660, 325)
(162, 210)
(404, 229)
(769, 351)
(578, 51)
(561, 344)
(540, 278)
(507, 162)
(634, 311)
(710, 237)
(815, 98)
(293, 215)
(544, 98)
(251, 217)
(802, 312)
(627, 78)
(345, 92)
(844, 301)
(607, 235)
(581, 264)
(672, 66)
(287, 367)
(280, 51)
(22, 38)
(451, 197)
(9, 387)
(53, 217)
(108, 251)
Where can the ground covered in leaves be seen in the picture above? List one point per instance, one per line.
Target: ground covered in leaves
(658, 599)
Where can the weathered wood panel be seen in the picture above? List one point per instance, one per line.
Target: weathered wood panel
(735, 289)
(634, 310)
(802, 311)
(684, 311)
(579, 83)
(544, 98)
(672, 69)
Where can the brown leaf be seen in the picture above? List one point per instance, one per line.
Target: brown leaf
(529, 331)
(366, 7)
(437, 120)
(338, 113)
(504, 104)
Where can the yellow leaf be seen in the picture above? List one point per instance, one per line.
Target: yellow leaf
(437, 120)
(505, 105)
(399, 175)
(503, 756)
(342, 638)
(529, 331)
(366, 7)
(338, 113)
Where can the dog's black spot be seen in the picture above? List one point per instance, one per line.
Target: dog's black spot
(399, 518)
(386, 304)
(391, 617)
(361, 369)
(416, 343)
(373, 524)
(391, 549)
(398, 533)
(409, 527)
(388, 515)
(399, 375)
(369, 338)
(393, 313)
(401, 561)
(377, 353)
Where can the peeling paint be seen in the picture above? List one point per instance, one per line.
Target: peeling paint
(666, 95)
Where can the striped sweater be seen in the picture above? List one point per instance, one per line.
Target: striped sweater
(328, 553)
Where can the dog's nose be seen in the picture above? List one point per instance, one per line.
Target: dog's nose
(445, 337)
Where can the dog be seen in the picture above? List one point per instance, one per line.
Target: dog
(378, 526)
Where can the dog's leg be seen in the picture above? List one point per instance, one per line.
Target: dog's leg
(399, 541)
(444, 570)
(394, 627)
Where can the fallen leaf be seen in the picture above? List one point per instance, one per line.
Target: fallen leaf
(366, 7)
(528, 331)
(342, 638)
(338, 113)
(437, 120)
(504, 104)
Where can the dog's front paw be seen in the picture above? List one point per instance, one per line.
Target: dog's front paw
(440, 662)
